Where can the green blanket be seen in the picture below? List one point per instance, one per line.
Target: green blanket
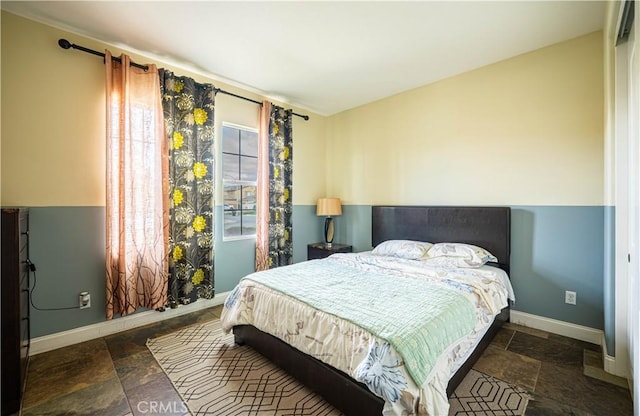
(418, 318)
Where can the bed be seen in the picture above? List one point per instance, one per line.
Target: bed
(486, 227)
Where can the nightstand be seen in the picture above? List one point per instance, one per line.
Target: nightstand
(320, 251)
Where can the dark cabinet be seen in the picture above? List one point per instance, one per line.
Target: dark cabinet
(15, 306)
(320, 250)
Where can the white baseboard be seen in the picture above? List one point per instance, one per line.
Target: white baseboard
(614, 367)
(609, 361)
(567, 329)
(89, 332)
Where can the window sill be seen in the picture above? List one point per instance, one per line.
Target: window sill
(239, 238)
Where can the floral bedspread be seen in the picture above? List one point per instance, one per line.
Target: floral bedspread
(325, 331)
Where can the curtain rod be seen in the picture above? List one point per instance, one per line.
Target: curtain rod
(65, 44)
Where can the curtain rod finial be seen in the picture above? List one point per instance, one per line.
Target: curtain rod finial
(64, 44)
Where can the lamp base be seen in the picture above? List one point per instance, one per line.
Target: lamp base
(328, 231)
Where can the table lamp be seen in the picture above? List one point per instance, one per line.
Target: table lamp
(328, 207)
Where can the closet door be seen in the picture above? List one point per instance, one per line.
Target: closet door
(633, 72)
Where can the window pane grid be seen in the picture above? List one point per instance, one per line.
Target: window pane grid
(239, 175)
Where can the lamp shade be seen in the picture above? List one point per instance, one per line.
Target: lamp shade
(329, 207)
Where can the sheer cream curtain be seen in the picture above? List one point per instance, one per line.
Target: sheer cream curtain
(262, 214)
(137, 189)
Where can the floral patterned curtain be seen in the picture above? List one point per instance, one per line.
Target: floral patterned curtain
(136, 190)
(274, 246)
(188, 114)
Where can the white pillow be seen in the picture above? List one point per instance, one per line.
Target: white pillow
(460, 255)
(404, 249)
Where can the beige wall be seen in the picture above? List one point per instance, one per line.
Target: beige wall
(524, 131)
(53, 121)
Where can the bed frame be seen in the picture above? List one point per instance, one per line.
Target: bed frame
(488, 227)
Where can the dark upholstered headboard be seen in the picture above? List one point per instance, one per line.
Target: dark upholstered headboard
(487, 227)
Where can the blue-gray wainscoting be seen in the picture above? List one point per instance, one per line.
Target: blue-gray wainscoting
(67, 246)
(554, 248)
(558, 248)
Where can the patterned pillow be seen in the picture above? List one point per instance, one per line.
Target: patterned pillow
(459, 255)
(404, 249)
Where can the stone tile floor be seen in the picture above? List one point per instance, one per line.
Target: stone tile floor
(112, 376)
(117, 375)
(550, 367)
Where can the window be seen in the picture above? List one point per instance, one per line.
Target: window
(239, 179)
(135, 161)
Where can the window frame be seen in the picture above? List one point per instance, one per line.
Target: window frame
(239, 182)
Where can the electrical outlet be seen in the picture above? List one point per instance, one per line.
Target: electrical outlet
(570, 297)
(85, 300)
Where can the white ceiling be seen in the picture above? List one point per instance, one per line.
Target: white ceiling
(325, 57)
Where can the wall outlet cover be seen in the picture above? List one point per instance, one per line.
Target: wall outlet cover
(570, 297)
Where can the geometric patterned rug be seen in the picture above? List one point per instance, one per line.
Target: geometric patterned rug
(479, 394)
(214, 376)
